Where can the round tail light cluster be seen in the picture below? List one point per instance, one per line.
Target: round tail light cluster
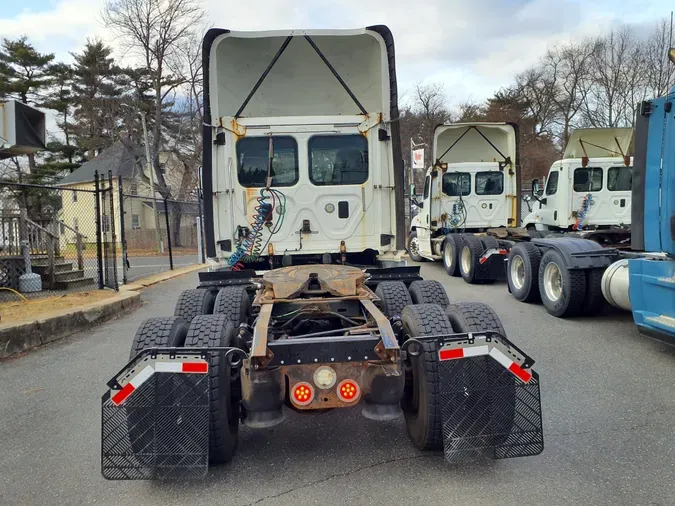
(348, 391)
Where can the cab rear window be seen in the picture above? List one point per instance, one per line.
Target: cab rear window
(253, 161)
(620, 179)
(338, 159)
(489, 183)
(456, 182)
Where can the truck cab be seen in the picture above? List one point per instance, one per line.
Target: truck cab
(590, 188)
(301, 147)
(473, 185)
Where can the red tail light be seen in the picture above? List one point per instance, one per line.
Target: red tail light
(302, 394)
(348, 391)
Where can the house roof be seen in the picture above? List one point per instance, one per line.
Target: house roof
(120, 158)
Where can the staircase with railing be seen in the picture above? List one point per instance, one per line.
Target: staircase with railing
(42, 237)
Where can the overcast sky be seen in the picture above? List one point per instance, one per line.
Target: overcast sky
(473, 46)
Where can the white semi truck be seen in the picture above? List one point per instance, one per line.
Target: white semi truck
(473, 186)
(302, 179)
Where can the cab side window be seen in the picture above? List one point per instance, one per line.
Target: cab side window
(552, 183)
(427, 184)
(587, 179)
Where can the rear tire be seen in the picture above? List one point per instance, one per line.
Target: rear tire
(594, 302)
(451, 247)
(522, 272)
(414, 247)
(429, 291)
(562, 290)
(394, 296)
(159, 332)
(193, 303)
(422, 397)
(234, 303)
(469, 267)
(210, 331)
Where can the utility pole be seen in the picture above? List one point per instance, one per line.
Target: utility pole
(151, 170)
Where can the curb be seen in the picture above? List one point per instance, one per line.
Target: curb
(141, 283)
(24, 335)
(17, 337)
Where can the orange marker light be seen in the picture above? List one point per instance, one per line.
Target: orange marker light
(348, 391)
(302, 394)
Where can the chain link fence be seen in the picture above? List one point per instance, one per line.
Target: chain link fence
(52, 239)
(158, 234)
(88, 236)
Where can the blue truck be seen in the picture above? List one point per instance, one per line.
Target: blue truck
(652, 275)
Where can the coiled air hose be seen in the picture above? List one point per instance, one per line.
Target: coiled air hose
(250, 248)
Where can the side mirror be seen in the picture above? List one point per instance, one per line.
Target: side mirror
(535, 187)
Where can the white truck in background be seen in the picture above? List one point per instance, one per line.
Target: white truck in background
(589, 188)
(473, 186)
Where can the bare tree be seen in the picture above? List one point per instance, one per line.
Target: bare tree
(154, 31)
(571, 67)
(660, 73)
(431, 107)
(538, 87)
(606, 102)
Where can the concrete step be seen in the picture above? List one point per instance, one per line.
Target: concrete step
(76, 283)
(69, 275)
(42, 267)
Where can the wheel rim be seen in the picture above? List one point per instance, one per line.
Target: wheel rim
(553, 282)
(466, 259)
(414, 247)
(448, 254)
(518, 272)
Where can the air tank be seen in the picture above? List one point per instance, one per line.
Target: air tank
(615, 283)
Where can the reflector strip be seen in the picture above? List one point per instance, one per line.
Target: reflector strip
(121, 396)
(501, 358)
(474, 351)
(168, 367)
(524, 375)
(142, 376)
(509, 364)
(196, 367)
(477, 351)
(451, 354)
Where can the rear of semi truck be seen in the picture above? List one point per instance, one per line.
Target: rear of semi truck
(302, 159)
(302, 180)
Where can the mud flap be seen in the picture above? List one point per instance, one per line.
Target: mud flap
(155, 420)
(490, 400)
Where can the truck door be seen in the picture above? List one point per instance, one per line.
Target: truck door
(619, 186)
(490, 198)
(424, 230)
(549, 207)
(589, 202)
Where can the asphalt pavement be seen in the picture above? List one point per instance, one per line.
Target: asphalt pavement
(608, 402)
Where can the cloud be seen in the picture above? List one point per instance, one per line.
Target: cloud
(474, 46)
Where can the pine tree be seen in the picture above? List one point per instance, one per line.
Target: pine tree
(98, 90)
(63, 155)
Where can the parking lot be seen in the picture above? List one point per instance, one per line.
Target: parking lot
(608, 405)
